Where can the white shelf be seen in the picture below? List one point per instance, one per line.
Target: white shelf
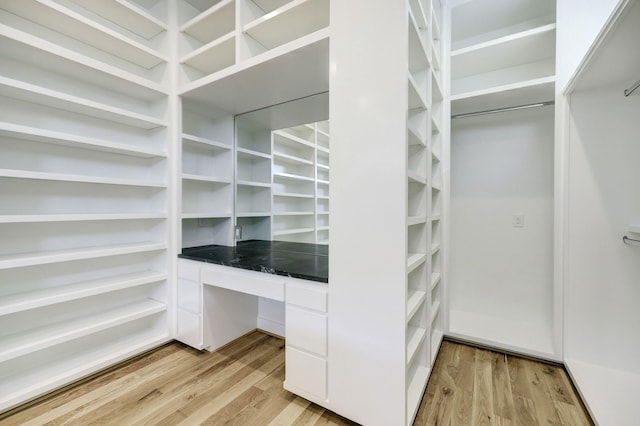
(72, 366)
(246, 151)
(293, 195)
(52, 98)
(416, 177)
(79, 217)
(64, 20)
(253, 214)
(304, 61)
(417, 382)
(435, 247)
(414, 138)
(202, 178)
(126, 14)
(289, 176)
(293, 214)
(416, 220)
(293, 231)
(291, 159)
(418, 59)
(211, 24)
(322, 228)
(24, 343)
(253, 183)
(205, 141)
(65, 139)
(322, 166)
(415, 300)
(206, 215)
(435, 279)
(289, 22)
(416, 97)
(292, 140)
(36, 299)
(520, 93)
(436, 341)
(415, 340)
(213, 56)
(8, 261)
(434, 311)
(38, 52)
(414, 260)
(418, 13)
(22, 174)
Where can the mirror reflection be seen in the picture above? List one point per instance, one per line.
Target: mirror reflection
(282, 172)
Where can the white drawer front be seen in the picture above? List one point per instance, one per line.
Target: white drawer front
(189, 296)
(188, 270)
(250, 282)
(306, 330)
(306, 372)
(308, 295)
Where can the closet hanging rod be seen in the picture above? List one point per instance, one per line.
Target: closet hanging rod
(632, 89)
(626, 240)
(494, 111)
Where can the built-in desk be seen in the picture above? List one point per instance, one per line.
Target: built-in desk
(226, 292)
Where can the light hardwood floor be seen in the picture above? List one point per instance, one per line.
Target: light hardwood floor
(241, 384)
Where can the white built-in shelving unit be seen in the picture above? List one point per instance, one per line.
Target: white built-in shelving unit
(207, 178)
(503, 55)
(505, 59)
(282, 182)
(424, 330)
(84, 178)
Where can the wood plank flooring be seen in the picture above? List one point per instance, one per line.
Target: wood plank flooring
(241, 384)
(472, 386)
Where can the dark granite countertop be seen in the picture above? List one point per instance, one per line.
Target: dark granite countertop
(296, 260)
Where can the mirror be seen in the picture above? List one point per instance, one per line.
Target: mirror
(282, 172)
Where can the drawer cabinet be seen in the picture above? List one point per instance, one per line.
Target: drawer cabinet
(190, 313)
(306, 339)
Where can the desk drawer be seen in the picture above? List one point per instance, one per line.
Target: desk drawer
(250, 282)
(306, 372)
(309, 295)
(306, 330)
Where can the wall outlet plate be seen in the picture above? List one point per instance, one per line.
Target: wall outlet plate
(518, 220)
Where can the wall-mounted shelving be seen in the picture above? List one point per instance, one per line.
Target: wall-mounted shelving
(507, 61)
(84, 178)
(424, 121)
(224, 43)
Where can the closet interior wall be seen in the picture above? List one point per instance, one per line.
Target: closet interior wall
(501, 203)
(602, 273)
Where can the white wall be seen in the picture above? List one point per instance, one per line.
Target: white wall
(578, 24)
(501, 165)
(603, 285)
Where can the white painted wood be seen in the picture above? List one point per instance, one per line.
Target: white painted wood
(227, 314)
(307, 295)
(213, 23)
(596, 316)
(65, 20)
(306, 371)
(249, 282)
(16, 345)
(306, 330)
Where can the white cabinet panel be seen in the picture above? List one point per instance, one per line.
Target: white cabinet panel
(308, 295)
(189, 296)
(190, 328)
(306, 330)
(306, 372)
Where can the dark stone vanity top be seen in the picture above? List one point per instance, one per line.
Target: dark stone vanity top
(295, 260)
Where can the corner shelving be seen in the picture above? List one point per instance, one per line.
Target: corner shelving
(84, 176)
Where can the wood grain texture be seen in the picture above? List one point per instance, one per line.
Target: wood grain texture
(473, 386)
(241, 384)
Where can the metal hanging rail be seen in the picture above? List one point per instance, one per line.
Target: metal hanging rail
(627, 240)
(497, 110)
(632, 89)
